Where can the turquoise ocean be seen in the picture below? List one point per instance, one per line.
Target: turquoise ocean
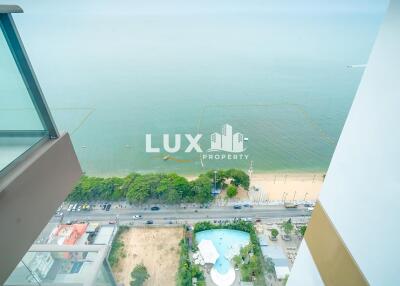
(278, 72)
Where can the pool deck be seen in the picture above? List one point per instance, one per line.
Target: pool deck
(209, 280)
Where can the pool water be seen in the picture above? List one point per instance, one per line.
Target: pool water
(227, 242)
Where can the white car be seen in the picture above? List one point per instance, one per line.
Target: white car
(310, 209)
(70, 207)
(137, 217)
(59, 214)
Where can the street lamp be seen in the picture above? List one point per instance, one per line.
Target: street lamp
(215, 181)
(305, 196)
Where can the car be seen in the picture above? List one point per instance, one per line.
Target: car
(247, 205)
(108, 207)
(310, 209)
(69, 222)
(237, 207)
(70, 207)
(308, 205)
(58, 214)
(112, 222)
(149, 222)
(137, 217)
(74, 207)
(79, 208)
(155, 208)
(85, 207)
(258, 220)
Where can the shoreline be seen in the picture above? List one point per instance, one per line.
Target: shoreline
(289, 173)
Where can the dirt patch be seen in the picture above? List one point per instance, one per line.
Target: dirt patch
(156, 248)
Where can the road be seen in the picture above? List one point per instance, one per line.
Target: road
(180, 215)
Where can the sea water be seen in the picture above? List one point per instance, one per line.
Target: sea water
(276, 72)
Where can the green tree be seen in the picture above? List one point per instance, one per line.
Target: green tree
(143, 188)
(237, 260)
(302, 230)
(173, 188)
(288, 227)
(274, 232)
(239, 178)
(139, 275)
(201, 188)
(231, 191)
(184, 276)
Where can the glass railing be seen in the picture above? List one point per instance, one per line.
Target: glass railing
(24, 117)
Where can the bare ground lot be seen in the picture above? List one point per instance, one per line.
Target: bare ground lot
(157, 248)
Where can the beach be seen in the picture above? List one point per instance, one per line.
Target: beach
(280, 186)
(287, 187)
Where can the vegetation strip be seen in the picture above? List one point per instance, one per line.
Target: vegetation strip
(161, 188)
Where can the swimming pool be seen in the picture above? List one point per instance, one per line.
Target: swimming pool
(227, 242)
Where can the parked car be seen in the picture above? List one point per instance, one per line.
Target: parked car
(137, 217)
(70, 207)
(112, 222)
(74, 207)
(149, 222)
(237, 207)
(310, 209)
(155, 208)
(108, 207)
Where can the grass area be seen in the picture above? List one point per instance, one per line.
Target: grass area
(117, 247)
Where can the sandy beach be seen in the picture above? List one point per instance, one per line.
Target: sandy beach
(288, 187)
(156, 248)
(280, 186)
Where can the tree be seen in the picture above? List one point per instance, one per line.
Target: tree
(201, 188)
(231, 191)
(144, 187)
(239, 178)
(288, 227)
(139, 275)
(302, 230)
(172, 188)
(274, 233)
(237, 260)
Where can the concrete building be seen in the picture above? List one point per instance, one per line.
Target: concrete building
(352, 238)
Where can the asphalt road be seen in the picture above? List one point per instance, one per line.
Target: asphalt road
(179, 215)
